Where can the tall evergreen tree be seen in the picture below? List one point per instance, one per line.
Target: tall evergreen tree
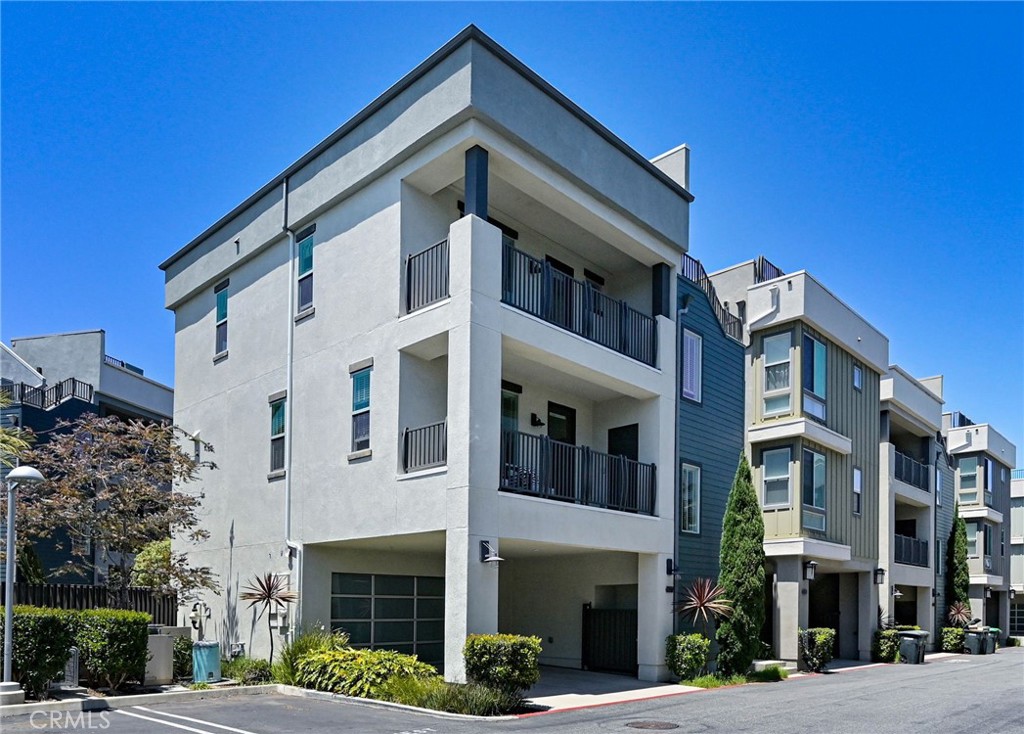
(958, 575)
(742, 575)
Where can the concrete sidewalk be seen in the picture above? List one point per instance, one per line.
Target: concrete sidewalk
(564, 688)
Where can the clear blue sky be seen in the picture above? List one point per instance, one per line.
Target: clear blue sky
(880, 147)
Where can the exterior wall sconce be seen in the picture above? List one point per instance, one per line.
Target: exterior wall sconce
(1013, 593)
(809, 570)
(535, 420)
(488, 554)
(879, 576)
(988, 592)
(671, 569)
(896, 593)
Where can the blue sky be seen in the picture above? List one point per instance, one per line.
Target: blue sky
(880, 147)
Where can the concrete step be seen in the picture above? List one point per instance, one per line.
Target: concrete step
(788, 665)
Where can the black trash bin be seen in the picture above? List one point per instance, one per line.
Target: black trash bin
(912, 646)
(974, 641)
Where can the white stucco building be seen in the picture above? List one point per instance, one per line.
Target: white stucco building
(445, 334)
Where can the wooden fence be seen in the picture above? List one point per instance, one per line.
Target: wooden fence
(161, 607)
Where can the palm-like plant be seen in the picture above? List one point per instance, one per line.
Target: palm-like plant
(959, 614)
(271, 593)
(703, 603)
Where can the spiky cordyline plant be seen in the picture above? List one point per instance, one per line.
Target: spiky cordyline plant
(703, 603)
(959, 614)
(269, 591)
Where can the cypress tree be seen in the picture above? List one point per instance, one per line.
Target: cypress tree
(958, 575)
(742, 575)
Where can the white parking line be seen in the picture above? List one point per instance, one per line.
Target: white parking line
(161, 721)
(195, 721)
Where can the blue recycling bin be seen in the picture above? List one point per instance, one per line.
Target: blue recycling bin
(206, 661)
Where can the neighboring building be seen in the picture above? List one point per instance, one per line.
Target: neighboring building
(61, 377)
(1017, 553)
(436, 357)
(984, 459)
(710, 429)
(814, 368)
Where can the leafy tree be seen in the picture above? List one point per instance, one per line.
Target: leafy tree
(957, 572)
(741, 575)
(13, 441)
(167, 572)
(119, 485)
(268, 591)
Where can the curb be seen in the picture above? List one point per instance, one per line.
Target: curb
(98, 703)
(374, 703)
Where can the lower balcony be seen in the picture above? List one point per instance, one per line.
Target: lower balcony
(425, 447)
(542, 467)
(910, 551)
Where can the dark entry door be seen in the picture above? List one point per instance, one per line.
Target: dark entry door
(560, 303)
(562, 429)
(623, 443)
(823, 605)
(609, 640)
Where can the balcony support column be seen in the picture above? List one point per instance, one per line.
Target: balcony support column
(654, 615)
(791, 606)
(476, 182)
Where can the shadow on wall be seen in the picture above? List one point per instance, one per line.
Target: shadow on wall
(229, 622)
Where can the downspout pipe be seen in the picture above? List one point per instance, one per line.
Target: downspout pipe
(293, 548)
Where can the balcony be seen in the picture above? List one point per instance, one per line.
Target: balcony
(541, 467)
(426, 277)
(47, 397)
(910, 551)
(911, 472)
(425, 447)
(535, 287)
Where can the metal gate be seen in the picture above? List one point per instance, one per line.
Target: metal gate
(609, 640)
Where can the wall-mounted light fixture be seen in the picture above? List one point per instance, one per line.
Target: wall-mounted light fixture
(988, 592)
(535, 420)
(879, 576)
(896, 593)
(809, 569)
(1013, 593)
(488, 554)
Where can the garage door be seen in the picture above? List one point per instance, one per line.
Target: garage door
(401, 613)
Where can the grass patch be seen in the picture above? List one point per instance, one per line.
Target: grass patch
(768, 675)
(771, 674)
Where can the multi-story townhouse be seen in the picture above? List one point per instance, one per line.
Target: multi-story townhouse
(814, 368)
(915, 499)
(984, 459)
(1017, 553)
(437, 359)
(61, 377)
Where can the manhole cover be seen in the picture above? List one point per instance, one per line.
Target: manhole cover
(653, 725)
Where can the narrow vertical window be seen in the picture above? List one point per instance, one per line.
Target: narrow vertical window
(221, 294)
(972, 539)
(277, 409)
(938, 485)
(969, 480)
(693, 357)
(858, 493)
(989, 465)
(361, 410)
(689, 499)
(775, 468)
(305, 276)
(814, 377)
(858, 377)
(813, 481)
(776, 374)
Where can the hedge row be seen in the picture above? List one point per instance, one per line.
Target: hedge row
(112, 645)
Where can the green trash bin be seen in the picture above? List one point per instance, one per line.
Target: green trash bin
(990, 640)
(206, 661)
(974, 642)
(912, 646)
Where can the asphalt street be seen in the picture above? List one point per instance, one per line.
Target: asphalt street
(958, 694)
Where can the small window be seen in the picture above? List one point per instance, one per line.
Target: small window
(689, 499)
(972, 539)
(775, 466)
(693, 357)
(813, 481)
(815, 372)
(277, 412)
(776, 374)
(305, 283)
(361, 410)
(221, 294)
(989, 532)
(1002, 474)
(939, 558)
(969, 479)
(858, 378)
(858, 489)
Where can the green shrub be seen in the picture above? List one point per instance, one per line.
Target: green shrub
(113, 645)
(358, 673)
(771, 674)
(42, 639)
(687, 655)
(953, 639)
(507, 663)
(816, 646)
(715, 681)
(200, 686)
(182, 659)
(456, 698)
(885, 643)
(247, 671)
(304, 643)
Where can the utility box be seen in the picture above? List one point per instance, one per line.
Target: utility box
(160, 667)
(206, 661)
(912, 645)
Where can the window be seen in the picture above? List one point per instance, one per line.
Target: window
(305, 247)
(775, 465)
(689, 499)
(693, 357)
(813, 481)
(1002, 541)
(776, 373)
(989, 465)
(858, 478)
(1002, 474)
(221, 294)
(277, 411)
(938, 485)
(361, 410)
(939, 558)
(858, 377)
(814, 374)
(972, 539)
(969, 479)
(989, 532)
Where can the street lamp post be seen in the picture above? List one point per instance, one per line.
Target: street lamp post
(10, 691)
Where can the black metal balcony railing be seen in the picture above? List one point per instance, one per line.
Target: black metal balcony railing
(910, 551)
(539, 466)
(533, 286)
(693, 271)
(425, 447)
(912, 472)
(115, 362)
(45, 398)
(765, 270)
(426, 277)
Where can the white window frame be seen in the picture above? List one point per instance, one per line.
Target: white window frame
(972, 540)
(786, 391)
(361, 411)
(938, 485)
(222, 287)
(858, 377)
(858, 491)
(813, 404)
(765, 477)
(307, 234)
(278, 437)
(813, 510)
(967, 492)
(694, 503)
(693, 365)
